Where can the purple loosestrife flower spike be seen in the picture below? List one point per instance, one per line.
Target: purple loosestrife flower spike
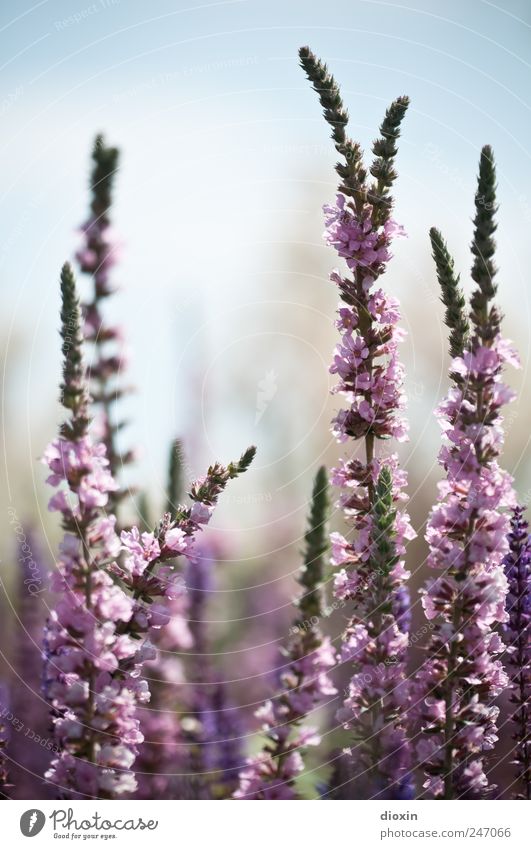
(147, 570)
(304, 677)
(5, 784)
(93, 705)
(517, 631)
(467, 539)
(96, 256)
(359, 227)
(350, 171)
(157, 590)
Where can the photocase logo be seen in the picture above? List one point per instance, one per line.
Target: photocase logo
(32, 822)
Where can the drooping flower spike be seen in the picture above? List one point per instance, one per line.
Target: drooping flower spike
(467, 529)
(304, 680)
(359, 226)
(517, 632)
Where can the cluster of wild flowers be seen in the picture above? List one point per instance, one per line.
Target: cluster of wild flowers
(138, 702)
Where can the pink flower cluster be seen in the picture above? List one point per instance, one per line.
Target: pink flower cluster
(305, 684)
(466, 602)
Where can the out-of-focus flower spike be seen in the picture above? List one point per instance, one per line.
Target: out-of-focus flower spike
(467, 536)
(175, 476)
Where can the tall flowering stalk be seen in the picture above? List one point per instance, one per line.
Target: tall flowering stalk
(517, 565)
(359, 226)
(162, 757)
(96, 257)
(467, 529)
(304, 677)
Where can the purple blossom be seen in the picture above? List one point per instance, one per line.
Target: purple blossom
(517, 632)
(467, 535)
